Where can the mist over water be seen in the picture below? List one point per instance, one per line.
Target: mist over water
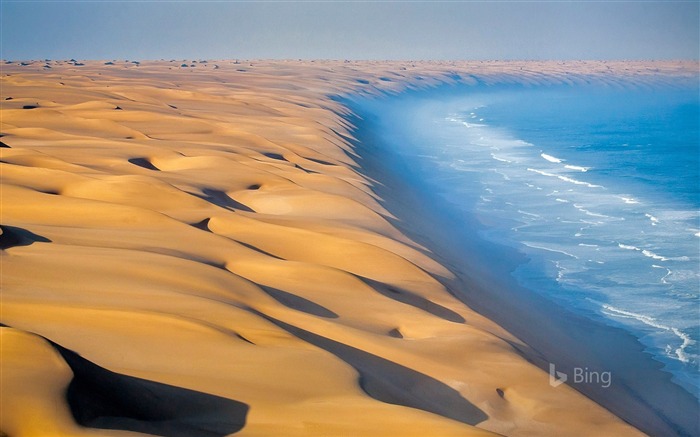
(598, 186)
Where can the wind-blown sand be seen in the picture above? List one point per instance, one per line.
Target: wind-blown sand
(195, 251)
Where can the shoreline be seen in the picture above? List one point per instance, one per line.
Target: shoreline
(217, 226)
(647, 398)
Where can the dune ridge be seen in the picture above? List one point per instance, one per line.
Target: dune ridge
(206, 233)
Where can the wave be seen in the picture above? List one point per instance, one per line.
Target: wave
(505, 176)
(471, 125)
(564, 178)
(645, 252)
(651, 254)
(549, 249)
(669, 272)
(529, 213)
(654, 220)
(577, 168)
(551, 158)
(680, 353)
(500, 159)
(556, 160)
(595, 214)
(629, 200)
(648, 253)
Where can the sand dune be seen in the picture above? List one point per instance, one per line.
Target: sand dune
(196, 251)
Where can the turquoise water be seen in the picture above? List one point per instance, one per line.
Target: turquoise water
(599, 187)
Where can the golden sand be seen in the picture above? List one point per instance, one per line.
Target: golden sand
(202, 238)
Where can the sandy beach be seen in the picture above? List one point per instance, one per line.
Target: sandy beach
(206, 248)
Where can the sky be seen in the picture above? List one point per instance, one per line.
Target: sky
(407, 30)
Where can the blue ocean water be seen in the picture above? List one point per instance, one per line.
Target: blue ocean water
(598, 186)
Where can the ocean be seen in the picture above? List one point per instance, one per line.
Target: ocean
(597, 184)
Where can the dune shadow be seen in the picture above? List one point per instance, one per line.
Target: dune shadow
(220, 198)
(13, 236)
(276, 156)
(143, 163)
(410, 298)
(257, 249)
(393, 383)
(100, 398)
(298, 303)
(203, 225)
(319, 161)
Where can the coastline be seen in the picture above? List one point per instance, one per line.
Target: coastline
(206, 222)
(640, 393)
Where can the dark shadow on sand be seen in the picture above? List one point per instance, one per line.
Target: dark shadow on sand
(13, 236)
(100, 398)
(144, 163)
(409, 298)
(390, 382)
(299, 303)
(222, 199)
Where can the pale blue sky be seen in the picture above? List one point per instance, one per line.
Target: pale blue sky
(350, 30)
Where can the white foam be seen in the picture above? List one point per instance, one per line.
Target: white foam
(564, 178)
(651, 254)
(560, 271)
(471, 125)
(687, 341)
(577, 168)
(654, 220)
(500, 159)
(505, 176)
(577, 182)
(551, 158)
(594, 214)
(629, 200)
(529, 213)
(561, 200)
(668, 273)
(648, 253)
(549, 249)
(651, 321)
